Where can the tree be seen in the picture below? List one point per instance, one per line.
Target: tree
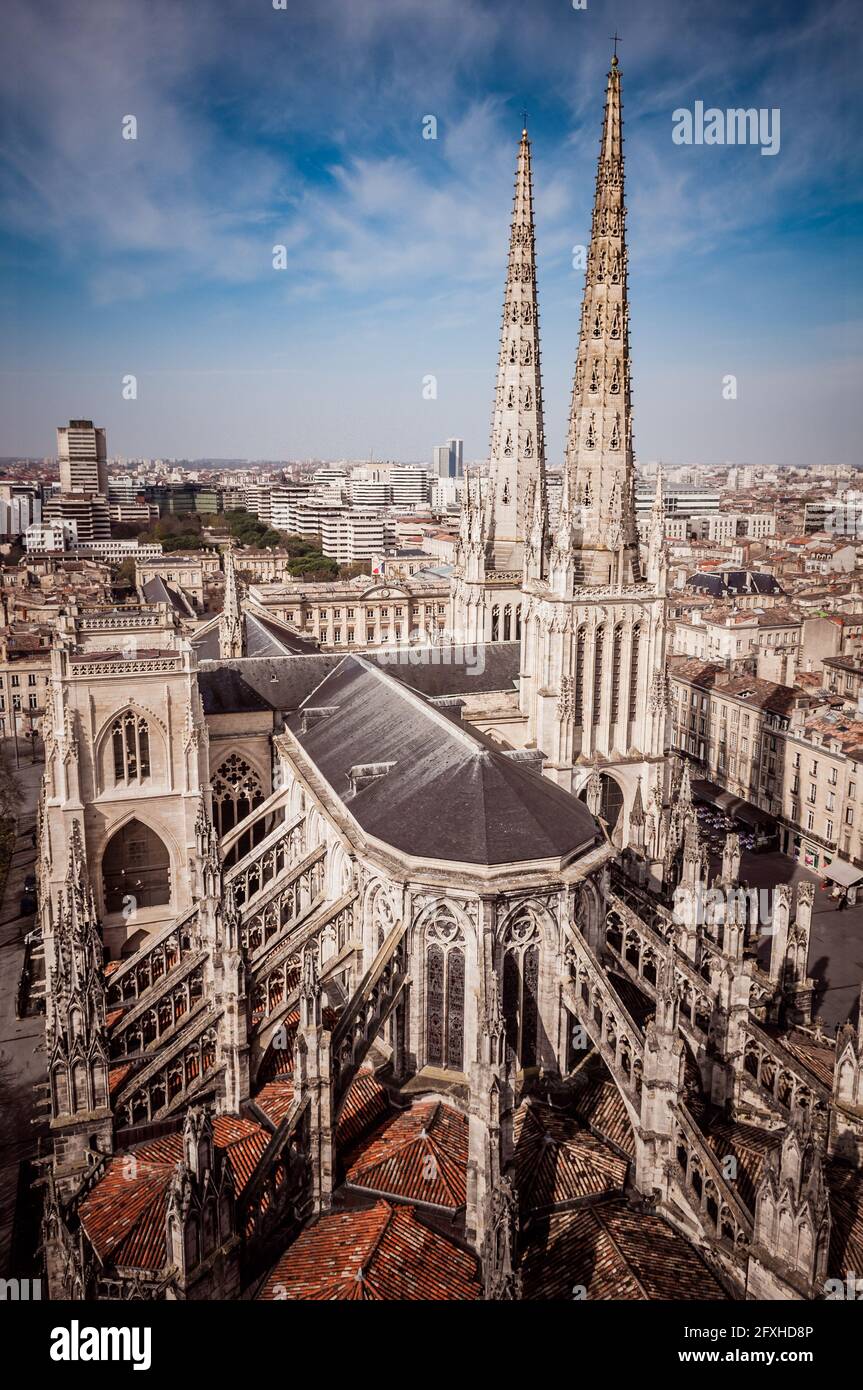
(124, 574)
(313, 567)
(11, 787)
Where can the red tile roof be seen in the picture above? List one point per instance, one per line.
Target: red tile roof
(612, 1252)
(124, 1213)
(600, 1106)
(846, 1210)
(557, 1160)
(275, 1100)
(379, 1252)
(749, 1146)
(364, 1105)
(419, 1155)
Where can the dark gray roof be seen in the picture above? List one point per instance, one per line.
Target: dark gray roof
(430, 786)
(224, 691)
(206, 644)
(157, 591)
(727, 582)
(265, 637)
(285, 681)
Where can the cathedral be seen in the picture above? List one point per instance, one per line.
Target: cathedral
(385, 978)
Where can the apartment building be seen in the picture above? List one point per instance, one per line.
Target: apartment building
(780, 749)
(730, 637)
(361, 612)
(25, 668)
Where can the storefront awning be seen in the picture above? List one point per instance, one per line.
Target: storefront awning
(843, 873)
(733, 806)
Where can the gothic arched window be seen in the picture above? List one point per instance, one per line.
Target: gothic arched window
(130, 739)
(495, 623)
(597, 674)
(445, 977)
(507, 623)
(615, 671)
(237, 791)
(521, 989)
(633, 672)
(579, 676)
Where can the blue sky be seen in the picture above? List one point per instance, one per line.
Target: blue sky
(303, 127)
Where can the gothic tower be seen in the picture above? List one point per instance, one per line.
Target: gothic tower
(495, 517)
(593, 684)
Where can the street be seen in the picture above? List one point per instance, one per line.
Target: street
(22, 1053)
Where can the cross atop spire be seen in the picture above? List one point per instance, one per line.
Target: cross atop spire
(615, 38)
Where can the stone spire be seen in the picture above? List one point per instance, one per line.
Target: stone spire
(231, 616)
(517, 466)
(599, 454)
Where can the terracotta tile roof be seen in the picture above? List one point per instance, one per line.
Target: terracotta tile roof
(275, 1100)
(846, 1210)
(749, 1146)
(364, 1105)
(613, 1252)
(817, 1059)
(600, 1106)
(117, 1075)
(379, 1252)
(557, 1160)
(124, 1213)
(419, 1155)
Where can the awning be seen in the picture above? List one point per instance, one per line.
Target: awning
(733, 806)
(840, 871)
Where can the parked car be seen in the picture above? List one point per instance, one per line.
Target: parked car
(34, 937)
(27, 905)
(30, 883)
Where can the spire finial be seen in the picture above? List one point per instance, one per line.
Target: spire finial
(615, 38)
(524, 123)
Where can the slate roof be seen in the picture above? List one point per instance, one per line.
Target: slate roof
(449, 793)
(612, 1252)
(728, 582)
(284, 682)
(375, 1253)
(156, 591)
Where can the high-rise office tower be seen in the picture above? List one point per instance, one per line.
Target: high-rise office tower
(456, 452)
(82, 451)
(441, 461)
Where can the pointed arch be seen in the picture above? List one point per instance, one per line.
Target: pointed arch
(131, 749)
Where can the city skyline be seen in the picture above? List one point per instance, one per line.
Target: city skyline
(163, 267)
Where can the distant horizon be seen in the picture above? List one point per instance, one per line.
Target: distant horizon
(303, 138)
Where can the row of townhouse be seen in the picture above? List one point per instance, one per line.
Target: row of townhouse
(779, 748)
